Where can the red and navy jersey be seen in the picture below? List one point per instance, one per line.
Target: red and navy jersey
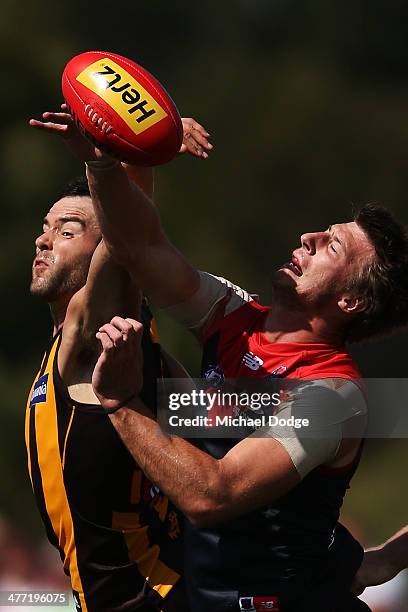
(283, 550)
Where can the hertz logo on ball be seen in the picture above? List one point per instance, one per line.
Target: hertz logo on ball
(123, 93)
(122, 108)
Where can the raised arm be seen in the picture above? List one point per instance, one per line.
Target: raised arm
(135, 238)
(132, 230)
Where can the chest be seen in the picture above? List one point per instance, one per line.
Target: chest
(245, 355)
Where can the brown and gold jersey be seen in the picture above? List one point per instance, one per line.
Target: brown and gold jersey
(118, 536)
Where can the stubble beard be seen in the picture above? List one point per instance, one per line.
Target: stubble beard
(286, 294)
(59, 283)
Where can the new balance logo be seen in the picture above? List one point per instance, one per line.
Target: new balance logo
(253, 362)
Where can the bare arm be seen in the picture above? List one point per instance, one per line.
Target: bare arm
(382, 563)
(252, 474)
(108, 286)
(132, 230)
(131, 225)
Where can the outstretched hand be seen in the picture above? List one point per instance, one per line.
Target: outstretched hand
(195, 139)
(118, 373)
(62, 124)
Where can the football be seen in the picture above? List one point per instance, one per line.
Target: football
(122, 108)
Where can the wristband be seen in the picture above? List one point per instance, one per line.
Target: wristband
(121, 405)
(102, 164)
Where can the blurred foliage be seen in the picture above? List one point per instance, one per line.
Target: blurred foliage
(307, 107)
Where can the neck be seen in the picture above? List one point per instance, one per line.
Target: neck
(285, 324)
(58, 313)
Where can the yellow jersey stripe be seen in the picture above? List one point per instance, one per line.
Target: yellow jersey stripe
(49, 462)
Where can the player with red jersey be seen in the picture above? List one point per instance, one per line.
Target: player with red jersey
(272, 554)
(262, 510)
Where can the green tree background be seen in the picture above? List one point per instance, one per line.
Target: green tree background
(307, 105)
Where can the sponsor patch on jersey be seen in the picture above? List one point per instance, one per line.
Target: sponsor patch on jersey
(253, 362)
(278, 372)
(39, 393)
(259, 604)
(215, 375)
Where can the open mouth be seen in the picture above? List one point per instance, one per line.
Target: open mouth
(294, 266)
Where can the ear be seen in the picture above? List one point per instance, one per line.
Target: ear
(352, 304)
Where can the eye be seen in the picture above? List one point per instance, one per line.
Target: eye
(332, 248)
(67, 234)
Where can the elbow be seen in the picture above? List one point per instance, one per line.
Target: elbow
(214, 502)
(207, 510)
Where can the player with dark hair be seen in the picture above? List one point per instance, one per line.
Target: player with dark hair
(262, 510)
(383, 282)
(78, 186)
(118, 536)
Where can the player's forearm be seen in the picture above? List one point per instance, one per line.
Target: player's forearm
(128, 219)
(131, 228)
(142, 176)
(395, 551)
(191, 478)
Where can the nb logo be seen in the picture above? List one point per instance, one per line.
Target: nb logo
(253, 362)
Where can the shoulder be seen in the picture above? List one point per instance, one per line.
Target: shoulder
(215, 298)
(328, 362)
(237, 318)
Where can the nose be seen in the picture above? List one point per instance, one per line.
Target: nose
(44, 241)
(308, 242)
(311, 241)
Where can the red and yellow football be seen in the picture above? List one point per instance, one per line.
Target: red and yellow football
(122, 108)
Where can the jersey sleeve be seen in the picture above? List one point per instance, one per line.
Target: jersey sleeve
(326, 405)
(198, 310)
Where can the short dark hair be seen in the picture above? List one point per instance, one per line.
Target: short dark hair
(76, 187)
(384, 281)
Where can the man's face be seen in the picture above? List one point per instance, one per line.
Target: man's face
(324, 264)
(64, 249)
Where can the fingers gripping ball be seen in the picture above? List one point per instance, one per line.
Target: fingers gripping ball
(122, 108)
